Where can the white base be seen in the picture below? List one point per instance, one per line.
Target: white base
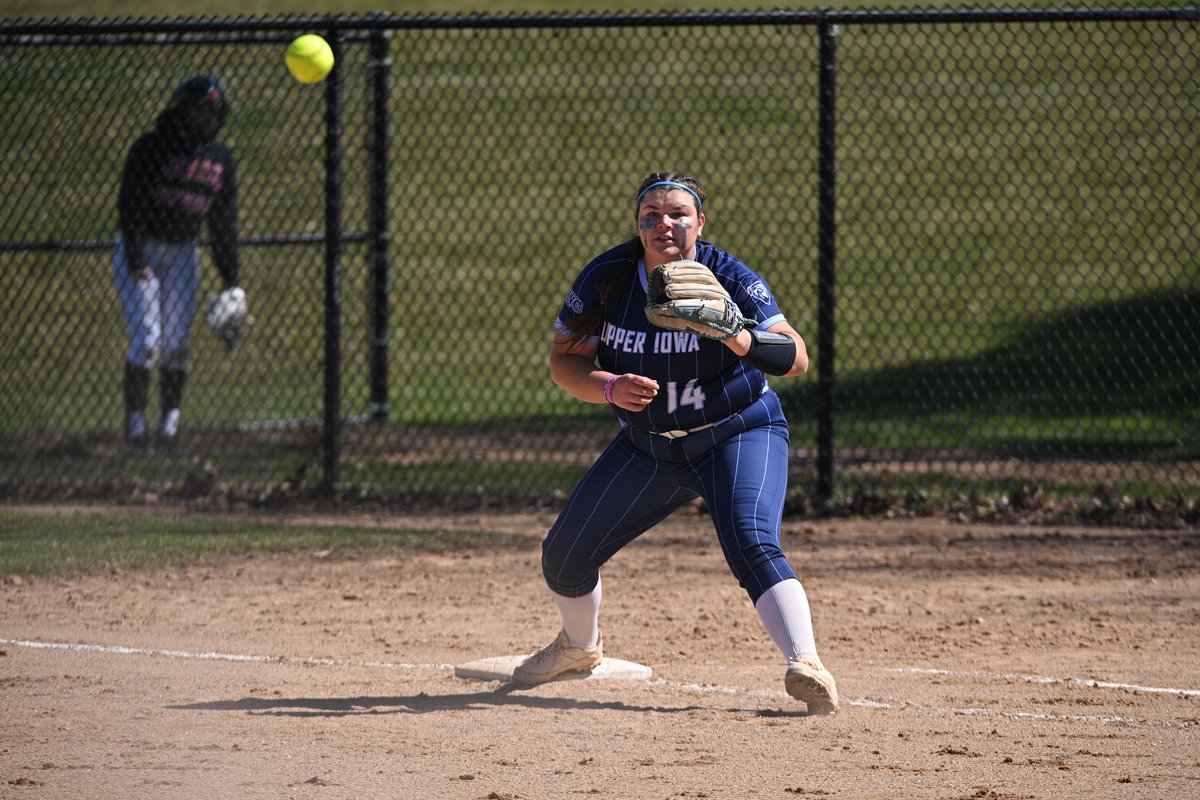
(500, 668)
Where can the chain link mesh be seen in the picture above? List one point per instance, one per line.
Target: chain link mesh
(1017, 305)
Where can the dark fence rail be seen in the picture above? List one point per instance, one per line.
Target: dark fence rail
(989, 215)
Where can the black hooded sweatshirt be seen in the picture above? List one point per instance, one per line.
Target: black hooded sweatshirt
(173, 180)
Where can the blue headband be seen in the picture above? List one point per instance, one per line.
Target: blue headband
(676, 185)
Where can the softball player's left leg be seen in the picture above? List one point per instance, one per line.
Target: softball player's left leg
(179, 266)
(744, 482)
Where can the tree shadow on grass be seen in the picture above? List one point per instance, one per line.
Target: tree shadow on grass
(1133, 358)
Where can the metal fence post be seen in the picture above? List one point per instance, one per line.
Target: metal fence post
(380, 65)
(333, 267)
(826, 258)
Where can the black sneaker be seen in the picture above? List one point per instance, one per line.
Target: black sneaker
(136, 447)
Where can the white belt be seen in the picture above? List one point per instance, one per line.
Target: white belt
(681, 434)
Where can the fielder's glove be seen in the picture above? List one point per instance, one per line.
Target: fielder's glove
(229, 317)
(686, 296)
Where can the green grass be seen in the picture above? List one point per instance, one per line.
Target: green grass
(1115, 376)
(1015, 239)
(50, 544)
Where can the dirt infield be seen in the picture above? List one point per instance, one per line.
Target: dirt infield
(973, 662)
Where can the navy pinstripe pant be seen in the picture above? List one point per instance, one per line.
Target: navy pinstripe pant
(739, 467)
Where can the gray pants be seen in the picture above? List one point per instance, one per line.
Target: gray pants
(160, 310)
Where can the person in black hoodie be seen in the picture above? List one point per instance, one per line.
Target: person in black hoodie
(175, 177)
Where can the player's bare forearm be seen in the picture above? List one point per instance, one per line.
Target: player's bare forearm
(578, 376)
(573, 368)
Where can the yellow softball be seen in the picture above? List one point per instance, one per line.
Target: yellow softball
(309, 58)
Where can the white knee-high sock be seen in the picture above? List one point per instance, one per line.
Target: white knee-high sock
(784, 612)
(581, 617)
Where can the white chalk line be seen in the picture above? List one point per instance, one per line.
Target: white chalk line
(692, 688)
(1094, 684)
(212, 656)
(967, 712)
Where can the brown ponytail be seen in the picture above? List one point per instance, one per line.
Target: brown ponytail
(586, 324)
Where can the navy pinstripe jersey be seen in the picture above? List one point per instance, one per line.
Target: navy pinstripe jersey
(699, 380)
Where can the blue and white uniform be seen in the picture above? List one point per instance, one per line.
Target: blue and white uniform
(726, 438)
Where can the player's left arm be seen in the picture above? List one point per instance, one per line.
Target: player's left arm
(223, 226)
(748, 339)
(776, 348)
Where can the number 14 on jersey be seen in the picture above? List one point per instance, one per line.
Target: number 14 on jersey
(690, 396)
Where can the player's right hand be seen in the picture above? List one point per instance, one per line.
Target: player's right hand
(634, 392)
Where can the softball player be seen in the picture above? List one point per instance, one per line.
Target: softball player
(175, 178)
(697, 420)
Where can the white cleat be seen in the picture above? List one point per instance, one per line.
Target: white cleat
(557, 658)
(807, 680)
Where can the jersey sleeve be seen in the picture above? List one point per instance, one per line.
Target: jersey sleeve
(757, 301)
(749, 290)
(583, 296)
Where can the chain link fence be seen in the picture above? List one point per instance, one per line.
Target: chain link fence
(983, 222)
